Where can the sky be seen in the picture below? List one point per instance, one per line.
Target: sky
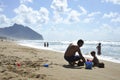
(65, 20)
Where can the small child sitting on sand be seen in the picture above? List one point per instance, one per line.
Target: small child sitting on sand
(95, 59)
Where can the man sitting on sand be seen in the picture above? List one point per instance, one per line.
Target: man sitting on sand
(70, 54)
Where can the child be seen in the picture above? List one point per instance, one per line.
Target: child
(95, 59)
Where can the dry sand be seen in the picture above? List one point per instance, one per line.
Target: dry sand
(25, 63)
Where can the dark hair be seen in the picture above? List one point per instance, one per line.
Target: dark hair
(92, 53)
(99, 43)
(80, 42)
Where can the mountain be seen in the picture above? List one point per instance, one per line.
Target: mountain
(20, 32)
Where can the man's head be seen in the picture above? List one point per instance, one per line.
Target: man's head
(80, 42)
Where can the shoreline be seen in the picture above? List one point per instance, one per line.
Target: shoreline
(26, 63)
(105, 58)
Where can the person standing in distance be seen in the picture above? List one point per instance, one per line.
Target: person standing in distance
(99, 49)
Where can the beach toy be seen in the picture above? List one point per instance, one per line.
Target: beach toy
(88, 65)
(18, 64)
(46, 65)
(89, 60)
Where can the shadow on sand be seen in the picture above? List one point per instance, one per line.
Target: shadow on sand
(73, 67)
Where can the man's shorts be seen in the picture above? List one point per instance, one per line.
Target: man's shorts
(72, 58)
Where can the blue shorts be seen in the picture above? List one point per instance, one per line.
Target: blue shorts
(72, 58)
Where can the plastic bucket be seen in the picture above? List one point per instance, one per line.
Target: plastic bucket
(88, 65)
(46, 65)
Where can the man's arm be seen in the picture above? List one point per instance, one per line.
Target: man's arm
(79, 52)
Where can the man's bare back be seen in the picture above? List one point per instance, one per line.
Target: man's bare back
(71, 50)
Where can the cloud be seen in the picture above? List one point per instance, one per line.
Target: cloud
(112, 1)
(73, 16)
(90, 17)
(84, 11)
(88, 20)
(103, 32)
(1, 6)
(23, 9)
(59, 33)
(44, 14)
(1, 9)
(113, 16)
(108, 32)
(93, 14)
(61, 9)
(4, 21)
(110, 15)
(25, 1)
(105, 28)
(60, 6)
(117, 19)
(57, 18)
(63, 14)
(28, 16)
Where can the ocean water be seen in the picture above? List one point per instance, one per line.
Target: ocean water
(110, 50)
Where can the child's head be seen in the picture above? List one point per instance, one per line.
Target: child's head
(93, 53)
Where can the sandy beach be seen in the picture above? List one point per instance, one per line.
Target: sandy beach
(25, 63)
